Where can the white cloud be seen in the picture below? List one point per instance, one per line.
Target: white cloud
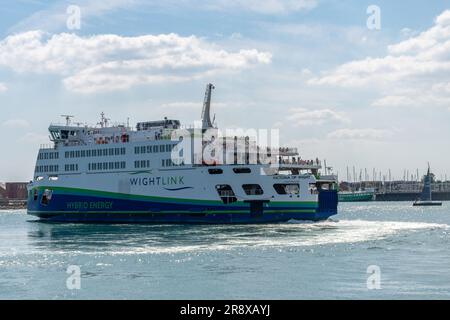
(415, 65)
(189, 105)
(16, 123)
(32, 138)
(415, 100)
(182, 105)
(302, 116)
(55, 16)
(394, 101)
(3, 87)
(112, 62)
(236, 36)
(360, 134)
(264, 7)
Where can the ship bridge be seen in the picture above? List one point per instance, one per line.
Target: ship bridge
(71, 135)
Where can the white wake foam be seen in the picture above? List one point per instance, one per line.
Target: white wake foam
(294, 234)
(290, 235)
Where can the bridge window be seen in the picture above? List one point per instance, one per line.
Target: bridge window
(242, 170)
(215, 171)
(287, 188)
(252, 189)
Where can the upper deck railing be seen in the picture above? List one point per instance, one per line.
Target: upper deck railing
(47, 146)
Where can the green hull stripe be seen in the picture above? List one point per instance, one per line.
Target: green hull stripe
(125, 196)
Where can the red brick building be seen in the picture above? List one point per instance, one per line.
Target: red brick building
(15, 190)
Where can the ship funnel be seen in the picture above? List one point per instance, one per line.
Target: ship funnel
(206, 117)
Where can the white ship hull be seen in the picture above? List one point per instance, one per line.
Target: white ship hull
(175, 196)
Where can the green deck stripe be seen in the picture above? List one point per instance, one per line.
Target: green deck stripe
(125, 196)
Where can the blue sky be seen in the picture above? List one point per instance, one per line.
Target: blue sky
(356, 97)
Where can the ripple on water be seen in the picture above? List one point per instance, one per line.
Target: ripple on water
(110, 240)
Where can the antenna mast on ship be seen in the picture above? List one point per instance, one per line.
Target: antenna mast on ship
(206, 117)
(67, 117)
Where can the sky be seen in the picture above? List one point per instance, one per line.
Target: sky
(357, 87)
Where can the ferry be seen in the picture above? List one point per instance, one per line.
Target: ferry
(163, 172)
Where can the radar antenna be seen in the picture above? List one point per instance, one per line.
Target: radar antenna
(67, 117)
(103, 121)
(206, 117)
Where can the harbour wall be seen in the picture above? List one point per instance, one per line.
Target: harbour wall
(410, 196)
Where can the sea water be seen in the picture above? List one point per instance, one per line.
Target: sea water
(373, 250)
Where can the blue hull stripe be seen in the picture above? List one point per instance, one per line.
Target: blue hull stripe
(66, 207)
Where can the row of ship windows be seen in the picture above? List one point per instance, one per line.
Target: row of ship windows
(104, 166)
(95, 153)
(55, 168)
(108, 152)
(142, 164)
(170, 163)
(49, 168)
(71, 167)
(139, 164)
(107, 165)
(154, 149)
(48, 155)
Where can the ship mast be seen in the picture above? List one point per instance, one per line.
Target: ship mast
(67, 117)
(206, 117)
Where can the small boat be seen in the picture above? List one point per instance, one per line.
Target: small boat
(356, 196)
(425, 196)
